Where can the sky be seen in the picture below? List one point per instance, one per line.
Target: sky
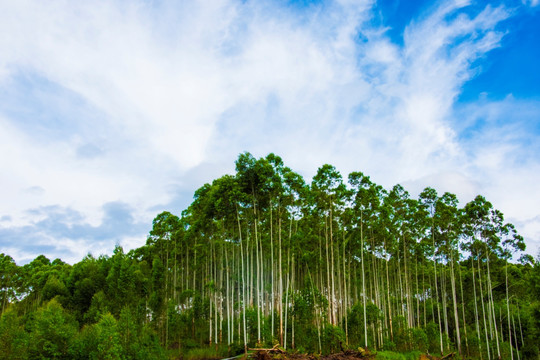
(113, 111)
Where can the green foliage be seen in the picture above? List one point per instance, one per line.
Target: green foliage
(8, 277)
(356, 321)
(156, 302)
(433, 338)
(532, 324)
(530, 351)
(55, 288)
(333, 339)
(390, 355)
(146, 345)
(474, 344)
(98, 306)
(418, 339)
(13, 338)
(401, 334)
(85, 344)
(389, 345)
(109, 345)
(52, 329)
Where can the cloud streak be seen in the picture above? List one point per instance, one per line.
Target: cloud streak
(140, 103)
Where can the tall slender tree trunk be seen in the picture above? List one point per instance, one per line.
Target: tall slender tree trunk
(444, 304)
(272, 294)
(345, 292)
(363, 277)
(280, 287)
(417, 294)
(287, 295)
(334, 304)
(477, 316)
(317, 315)
(243, 279)
(490, 298)
(483, 311)
(407, 288)
(508, 310)
(424, 296)
(328, 288)
(520, 328)
(292, 300)
(515, 337)
(463, 312)
(388, 296)
(437, 292)
(454, 301)
(228, 299)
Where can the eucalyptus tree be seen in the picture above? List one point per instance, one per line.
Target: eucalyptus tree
(397, 211)
(448, 230)
(276, 194)
(417, 228)
(256, 178)
(164, 227)
(230, 205)
(428, 198)
(328, 191)
(366, 203)
(201, 232)
(8, 273)
(226, 200)
(288, 195)
(389, 252)
(512, 242)
(482, 244)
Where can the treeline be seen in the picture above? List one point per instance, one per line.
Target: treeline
(261, 258)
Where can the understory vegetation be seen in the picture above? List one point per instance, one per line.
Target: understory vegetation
(262, 258)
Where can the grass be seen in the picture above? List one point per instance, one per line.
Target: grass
(390, 355)
(209, 353)
(203, 353)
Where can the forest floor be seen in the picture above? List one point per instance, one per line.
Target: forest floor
(272, 354)
(277, 353)
(345, 355)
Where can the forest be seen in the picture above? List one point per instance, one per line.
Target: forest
(262, 258)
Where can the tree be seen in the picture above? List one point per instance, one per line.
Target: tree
(13, 338)
(8, 271)
(109, 344)
(52, 330)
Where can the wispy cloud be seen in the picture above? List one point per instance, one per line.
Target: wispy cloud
(142, 102)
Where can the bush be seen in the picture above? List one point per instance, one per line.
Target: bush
(419, 339)
(389, 345)
(433, 336)
(530, 351)
(333, 337)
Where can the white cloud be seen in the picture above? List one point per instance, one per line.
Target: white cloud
(531, 3)
(181, 89)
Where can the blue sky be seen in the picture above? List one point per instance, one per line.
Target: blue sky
(111, 112)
